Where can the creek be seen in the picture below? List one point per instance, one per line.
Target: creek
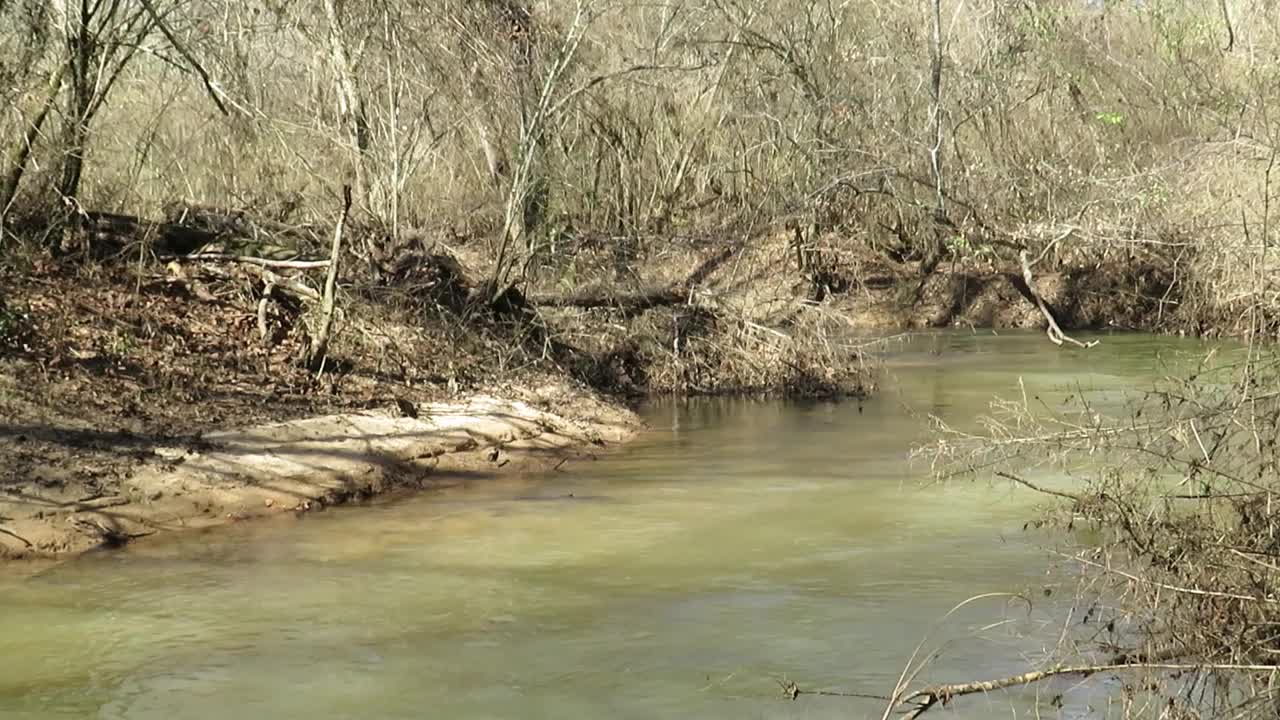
(736, 544)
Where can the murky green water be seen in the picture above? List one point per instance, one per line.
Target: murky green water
(736, 545)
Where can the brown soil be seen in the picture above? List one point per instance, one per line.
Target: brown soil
(118, 387)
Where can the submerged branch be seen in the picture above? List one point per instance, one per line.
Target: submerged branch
(1056, 336)
(928, 697)
(1037, 488)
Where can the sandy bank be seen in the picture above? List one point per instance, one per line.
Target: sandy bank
(304, 465)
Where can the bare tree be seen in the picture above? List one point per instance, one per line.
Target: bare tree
(515, 248)
(37, 29)
(935, 105)
(101, 37)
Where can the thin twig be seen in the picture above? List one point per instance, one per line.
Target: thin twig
(250, 260)
(1167, 586)
(791, 691)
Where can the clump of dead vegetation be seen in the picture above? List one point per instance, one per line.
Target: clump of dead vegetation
(694, 350)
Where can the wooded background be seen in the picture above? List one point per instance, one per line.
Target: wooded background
(526, 124)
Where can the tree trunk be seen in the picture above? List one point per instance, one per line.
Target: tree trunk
(75, 132)
(355, 118)
(21, 151)
(933, 254)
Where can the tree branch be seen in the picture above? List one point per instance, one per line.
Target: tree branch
(928, 697)
(1056, 336)
(186, 55)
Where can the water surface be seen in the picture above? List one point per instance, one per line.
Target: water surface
(735, 545)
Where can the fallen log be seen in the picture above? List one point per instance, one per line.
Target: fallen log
(675, 294)
(186, 230)
(228, 222)
(115, 230)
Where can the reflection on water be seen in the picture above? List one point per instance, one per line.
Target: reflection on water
(735, 545)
